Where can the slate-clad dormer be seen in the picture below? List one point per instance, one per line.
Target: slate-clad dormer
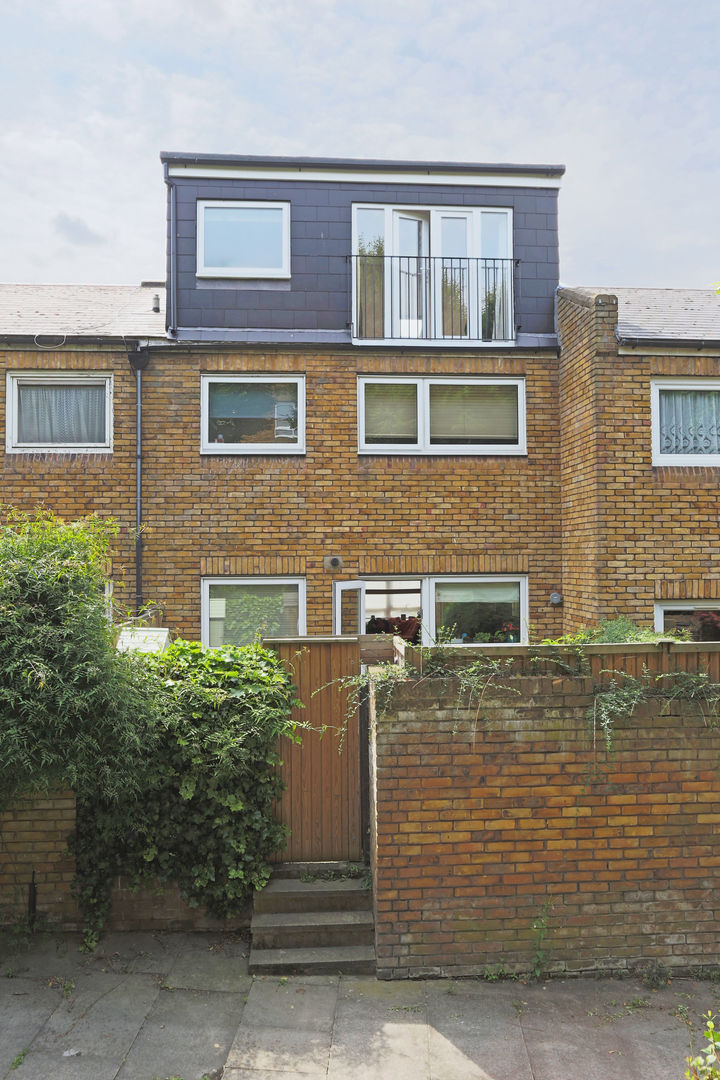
(363, 252)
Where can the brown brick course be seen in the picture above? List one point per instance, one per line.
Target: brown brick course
(478, 823)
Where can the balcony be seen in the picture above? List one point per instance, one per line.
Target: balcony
(432, 299)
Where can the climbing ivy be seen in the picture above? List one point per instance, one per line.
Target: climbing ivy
(204, 818)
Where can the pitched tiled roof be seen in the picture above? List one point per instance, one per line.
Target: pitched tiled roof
(82, 311)
(667, 315)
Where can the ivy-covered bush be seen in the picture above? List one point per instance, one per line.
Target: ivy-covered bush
(204, 819)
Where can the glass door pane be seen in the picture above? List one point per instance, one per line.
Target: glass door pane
(410, 276)
(453, 284)
(349, 608)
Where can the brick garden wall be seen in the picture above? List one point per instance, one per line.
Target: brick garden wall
(481, 822)
(34, 837)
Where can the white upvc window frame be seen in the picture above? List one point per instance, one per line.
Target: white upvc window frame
(658, 385)
(14, 380)
(424, 447)
(663, 606)
(434, 214)
(209, 379)
(257, 272)
(428, 629)
(206, 582)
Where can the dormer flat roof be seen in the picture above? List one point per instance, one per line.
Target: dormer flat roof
(243, 166)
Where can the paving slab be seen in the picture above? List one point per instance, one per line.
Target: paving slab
(206, 969)
(287, 1026)
(99, 1023)
(25, 1006)
(187, 1033)
(474, 1032)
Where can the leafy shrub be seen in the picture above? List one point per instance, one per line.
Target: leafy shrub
(75, 712)
(612, 631)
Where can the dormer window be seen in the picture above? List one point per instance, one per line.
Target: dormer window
(433, 273)
(243, 239)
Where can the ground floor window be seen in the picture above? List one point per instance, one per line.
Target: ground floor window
(700, 620)
(462, 610)
(235, 611)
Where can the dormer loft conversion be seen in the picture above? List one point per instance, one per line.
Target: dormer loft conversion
(361, 252)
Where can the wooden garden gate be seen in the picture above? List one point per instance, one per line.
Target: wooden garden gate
(325, 800)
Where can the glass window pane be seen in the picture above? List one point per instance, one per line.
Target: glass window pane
(243, 237)
(61, 415)
(478, 611)
(494, 235)
(239, 613)
(392, 606)
(690, 421)
(473, 415)
(454, 238)
(370, 273)
(391, 413)
(253, 412)
(699, 625)
(370, 232)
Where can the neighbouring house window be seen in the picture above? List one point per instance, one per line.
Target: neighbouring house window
(253, 414)
(51, 411)
(429, 273)
(235, 611)
(698, 621)
(441, 416)
(243, 239)
(461, 610)
(686, 421)
(467, 611)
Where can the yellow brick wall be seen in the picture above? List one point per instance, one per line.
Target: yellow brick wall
(633, 533)
(280, 515)
(73, 485)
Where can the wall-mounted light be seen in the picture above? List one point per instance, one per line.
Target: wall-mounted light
(556, 598)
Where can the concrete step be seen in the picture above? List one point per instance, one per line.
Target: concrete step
(319, 870)
(292, 930)
(345, 960)
(293, 895)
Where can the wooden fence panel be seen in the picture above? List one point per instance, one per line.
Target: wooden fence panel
(321, 801)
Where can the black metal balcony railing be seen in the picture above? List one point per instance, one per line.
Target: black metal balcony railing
(432, 298)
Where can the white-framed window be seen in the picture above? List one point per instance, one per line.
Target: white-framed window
(467, 610)
(60, 412)
(235, 611)
(432, 273)
(699, 619)
(243, 239)
(440, 415)
(253, 414)
(685, 421)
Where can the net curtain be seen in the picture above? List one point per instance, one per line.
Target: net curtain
(61, 414)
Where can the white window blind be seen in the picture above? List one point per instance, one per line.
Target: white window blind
(473, 414)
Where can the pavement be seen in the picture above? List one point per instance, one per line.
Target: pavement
(182, 1006)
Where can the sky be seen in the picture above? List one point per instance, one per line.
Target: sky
(624, 93)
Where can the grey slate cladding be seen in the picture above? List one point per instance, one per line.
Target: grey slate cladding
(319, 293)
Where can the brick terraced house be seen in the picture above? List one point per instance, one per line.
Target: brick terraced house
(358, 413)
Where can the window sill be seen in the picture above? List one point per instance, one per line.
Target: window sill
(247, 451)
